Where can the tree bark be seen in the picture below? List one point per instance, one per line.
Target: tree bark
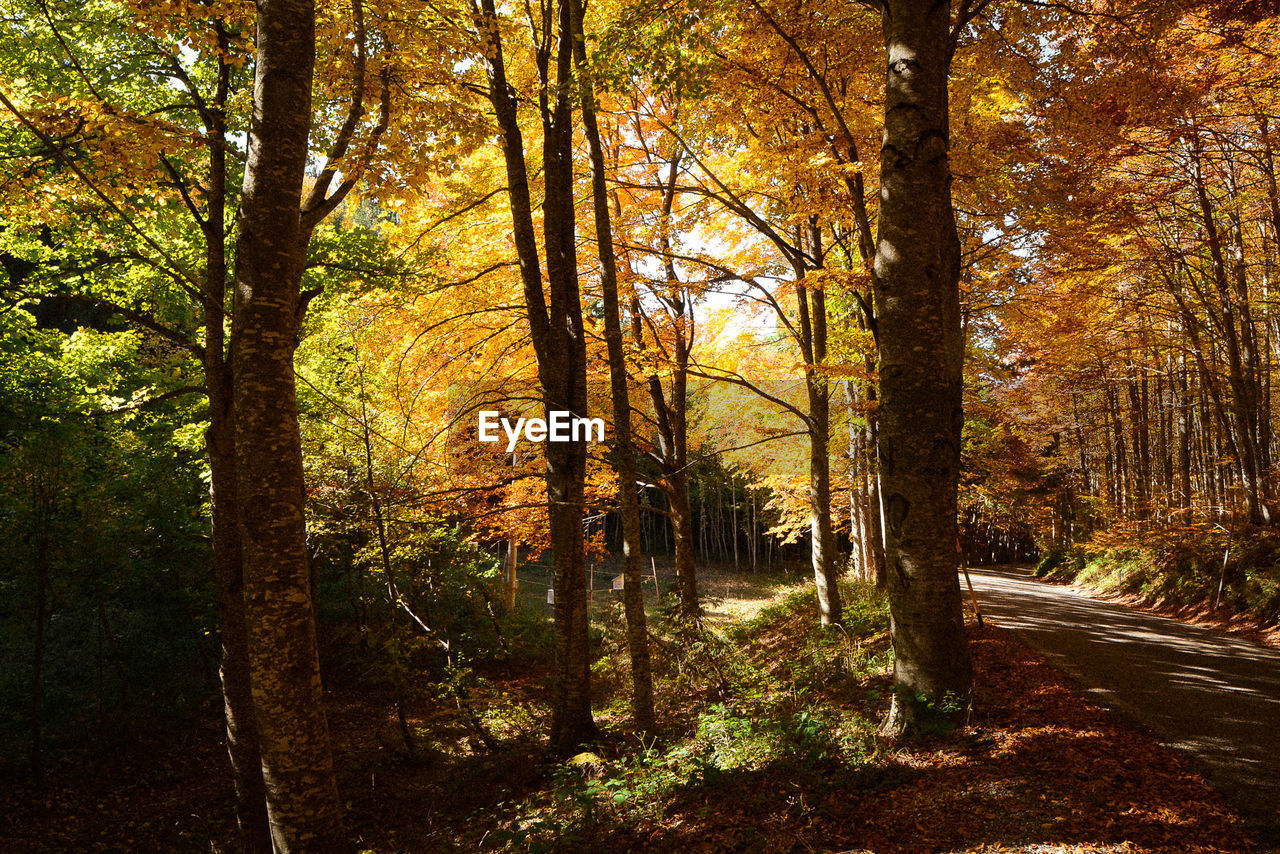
(562, 370)
(676, 487)
(623, 446)
(237, 697)
(916, 281)
(813, 347)
(301, 791)
(559, 343)
(879, 563)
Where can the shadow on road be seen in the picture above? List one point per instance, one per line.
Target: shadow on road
(1215, 697)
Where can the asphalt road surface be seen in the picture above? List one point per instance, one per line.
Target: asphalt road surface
(1214, 697)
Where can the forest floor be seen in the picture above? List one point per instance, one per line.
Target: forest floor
(1213, 697)
(768, 745)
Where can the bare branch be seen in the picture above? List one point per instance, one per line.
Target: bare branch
(735, 378)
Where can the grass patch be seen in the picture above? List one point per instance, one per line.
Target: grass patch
(773, 695)
(1180, 566)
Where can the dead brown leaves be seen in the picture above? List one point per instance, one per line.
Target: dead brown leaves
(1039, 770)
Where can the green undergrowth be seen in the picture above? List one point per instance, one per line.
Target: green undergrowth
(776, 696)
(1180, 566)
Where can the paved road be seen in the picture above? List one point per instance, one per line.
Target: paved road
(1215, 697)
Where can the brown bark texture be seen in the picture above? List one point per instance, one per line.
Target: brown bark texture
(297, 766)
(242, 731)
(813, 346)
(623, 446)
(916, 275)
(559, 343)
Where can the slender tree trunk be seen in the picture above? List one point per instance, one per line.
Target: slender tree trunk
(755, 538)
(1185, 405)
(301, 791)
(559, 343)
(511, 583)
(671, 410)
(826, 574)
(857, 487)
(1165, 430)
(237, 698)
(1243, 405)
(813, 348)
(1123, 503)
(672, 457)
(916, 280)
(677, 491)
(705, 542)
(1141, 449)
(733, 524)
(623, 446)
(879, 563)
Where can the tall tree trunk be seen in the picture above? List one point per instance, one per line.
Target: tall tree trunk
(671, 410)
(879, 561)
(733, 522)
(826, 571)
(858, 482)
(559, 343)
(813, 347)
(228, 569)
(916, 280)
(1123, 502)
(237, 698)
(1141, 444)
(297, 765)
(1185, 405)
(672, 456)
(755, 538)
(510, 581)
(677, 491)
(623, 447)
(1243, 402)
(562, 371)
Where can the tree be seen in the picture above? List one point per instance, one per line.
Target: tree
(670, 450)
(275, 227)
(92, 112)
(623, 445)
(799, 76)
(916, 278)
(88, 111)
(556, 328)
(1147, 355)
